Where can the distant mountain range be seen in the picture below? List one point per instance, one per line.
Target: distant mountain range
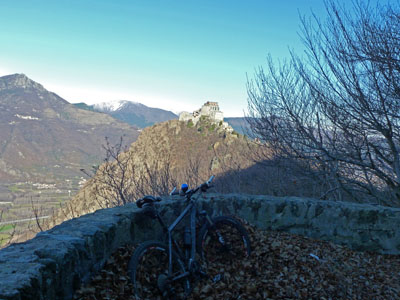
(133, 113)
(45, 138)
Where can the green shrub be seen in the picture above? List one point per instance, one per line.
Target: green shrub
(190, 124)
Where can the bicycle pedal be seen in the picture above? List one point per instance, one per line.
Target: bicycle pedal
(162, 282)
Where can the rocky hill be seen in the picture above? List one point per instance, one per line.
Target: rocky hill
(133, 113)
(43, 137)
(165, 155)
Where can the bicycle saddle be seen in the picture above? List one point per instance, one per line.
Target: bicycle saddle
(147, 200)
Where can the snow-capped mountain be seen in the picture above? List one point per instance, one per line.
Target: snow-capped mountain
(111, 106)
(133, 113)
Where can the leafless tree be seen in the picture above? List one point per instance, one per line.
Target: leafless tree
(37, 213)
(115, 175)
(335, 111)
(192, 173)
(122, 179)
(6, 235)
(155, 178)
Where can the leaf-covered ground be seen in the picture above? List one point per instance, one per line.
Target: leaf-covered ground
(282, 266)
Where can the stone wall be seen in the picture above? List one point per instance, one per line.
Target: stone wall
(58, 261)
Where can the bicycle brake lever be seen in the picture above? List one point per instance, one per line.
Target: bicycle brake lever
(173, 192)
(210, 179)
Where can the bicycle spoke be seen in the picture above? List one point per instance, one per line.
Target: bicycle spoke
(224, 244)
(149, 273)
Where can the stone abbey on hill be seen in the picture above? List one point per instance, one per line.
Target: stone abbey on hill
(209, 110)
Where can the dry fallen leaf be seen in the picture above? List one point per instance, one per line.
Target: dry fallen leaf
(280, 267)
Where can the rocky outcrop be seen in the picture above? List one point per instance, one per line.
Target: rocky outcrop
(19, 81)
(175, 152)
(58, 261)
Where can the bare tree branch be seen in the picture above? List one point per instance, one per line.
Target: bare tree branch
(337, 108)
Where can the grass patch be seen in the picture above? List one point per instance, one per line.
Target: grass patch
(6, 227)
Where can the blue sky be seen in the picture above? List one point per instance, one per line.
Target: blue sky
(169, 54)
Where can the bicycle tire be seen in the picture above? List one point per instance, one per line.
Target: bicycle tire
(235, 245)
(147, 265)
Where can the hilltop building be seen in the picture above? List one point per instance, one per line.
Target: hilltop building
(210, 110)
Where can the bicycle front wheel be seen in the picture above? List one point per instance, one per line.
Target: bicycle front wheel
(223, 243)
(148, 270)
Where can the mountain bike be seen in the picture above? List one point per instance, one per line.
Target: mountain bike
(169, 269)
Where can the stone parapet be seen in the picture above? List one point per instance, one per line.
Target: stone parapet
(56, 262)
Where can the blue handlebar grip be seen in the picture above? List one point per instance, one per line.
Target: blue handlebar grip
(184, 187)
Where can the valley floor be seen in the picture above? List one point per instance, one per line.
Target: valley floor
(22, 203)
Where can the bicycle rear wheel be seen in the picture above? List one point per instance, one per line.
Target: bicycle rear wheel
(148, 270)
(223, 243)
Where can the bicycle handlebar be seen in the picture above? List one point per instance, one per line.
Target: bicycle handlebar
(204, 186)
(210, 179)
(149, 200)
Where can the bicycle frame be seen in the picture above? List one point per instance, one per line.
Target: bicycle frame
(189, 269)
(192, 210)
